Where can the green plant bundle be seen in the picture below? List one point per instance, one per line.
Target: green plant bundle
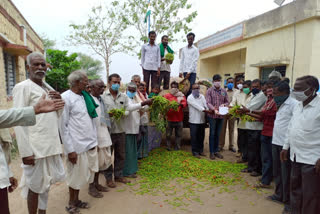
(158, 111)
(117, 114)
(235, 113)
(169, 57)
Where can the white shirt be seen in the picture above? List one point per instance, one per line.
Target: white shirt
(42, 139)
(150, 57)
(5, 172)
(132, 119)
(121, 101)
(196, 108)
(304, 133)
(281, 123)
(189, 59)
(256, 103)
(104, 139)
(164, 65)
(78, 130)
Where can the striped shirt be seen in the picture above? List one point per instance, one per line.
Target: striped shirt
(215, 98)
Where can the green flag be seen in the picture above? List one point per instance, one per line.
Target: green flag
(147, 15)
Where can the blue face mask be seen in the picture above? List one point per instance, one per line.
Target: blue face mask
(130, 94)
(230, 86)
(115, 87)
(279, 100)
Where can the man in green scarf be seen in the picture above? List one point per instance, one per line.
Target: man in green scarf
(165, 68)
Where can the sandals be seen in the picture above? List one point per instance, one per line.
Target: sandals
(82, 205)
(101, 188)
(261, 185)
(72, 210)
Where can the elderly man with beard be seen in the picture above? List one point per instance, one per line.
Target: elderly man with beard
(39, 145)
(104, 140)
(79, 135)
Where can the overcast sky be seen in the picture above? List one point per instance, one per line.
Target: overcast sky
(53, 18)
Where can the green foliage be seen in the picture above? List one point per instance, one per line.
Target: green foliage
(47, 43)
(92, 67)
(117, 114)
(167, 17)
(179, 175)
(234, 112)
(169, 58)
(103, 31)
(158, 111)
(62, 66)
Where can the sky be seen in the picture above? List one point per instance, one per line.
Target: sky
(53, 18)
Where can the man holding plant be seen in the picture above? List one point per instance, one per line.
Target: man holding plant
(166, 60)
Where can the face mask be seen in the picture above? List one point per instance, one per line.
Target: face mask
(230, 86)
(131, 94)
(255, 91)
(196, 93)
(173, 91)
(300, 95)
(115, 87)
(279, 100)
(240, 86)
(246, 90)
(217, 84)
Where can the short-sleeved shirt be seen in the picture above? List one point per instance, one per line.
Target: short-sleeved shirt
(269, 111)
(215, 98)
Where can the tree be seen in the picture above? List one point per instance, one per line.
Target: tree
(47, 43)
(91, 66)
(166, 17)
(104, 31)
(61, 66)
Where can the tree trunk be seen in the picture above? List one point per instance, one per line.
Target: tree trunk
(106, 61)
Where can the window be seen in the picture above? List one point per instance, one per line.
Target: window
(10, 70)
(265, 71)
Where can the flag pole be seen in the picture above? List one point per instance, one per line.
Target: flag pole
(149, 20)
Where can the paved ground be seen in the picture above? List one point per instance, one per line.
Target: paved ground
(242, 201)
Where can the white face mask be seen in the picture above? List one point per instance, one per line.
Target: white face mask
(240, 86)
(301, 96)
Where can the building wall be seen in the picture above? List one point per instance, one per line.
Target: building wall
(10, 21)
(277, 45)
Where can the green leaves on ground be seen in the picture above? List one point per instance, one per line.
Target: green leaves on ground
(179, 175)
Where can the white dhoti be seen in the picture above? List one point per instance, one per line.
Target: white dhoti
(104, 158)
(41, 176)
(83, 171)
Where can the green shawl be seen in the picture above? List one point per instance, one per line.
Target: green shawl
(162, 50)
(90, 103)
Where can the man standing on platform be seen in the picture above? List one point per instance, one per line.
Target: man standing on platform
(151, 61)
(165, 68)
(189, 61)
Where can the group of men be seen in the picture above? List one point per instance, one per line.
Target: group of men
(156, 67)
(280, 140)
(280, 143)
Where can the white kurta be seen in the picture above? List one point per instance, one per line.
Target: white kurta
(132, 120)
(78, 130)
(5, 172)
(42, 139)
(104, 139)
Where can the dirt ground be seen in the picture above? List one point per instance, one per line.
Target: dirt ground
(122, 200)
